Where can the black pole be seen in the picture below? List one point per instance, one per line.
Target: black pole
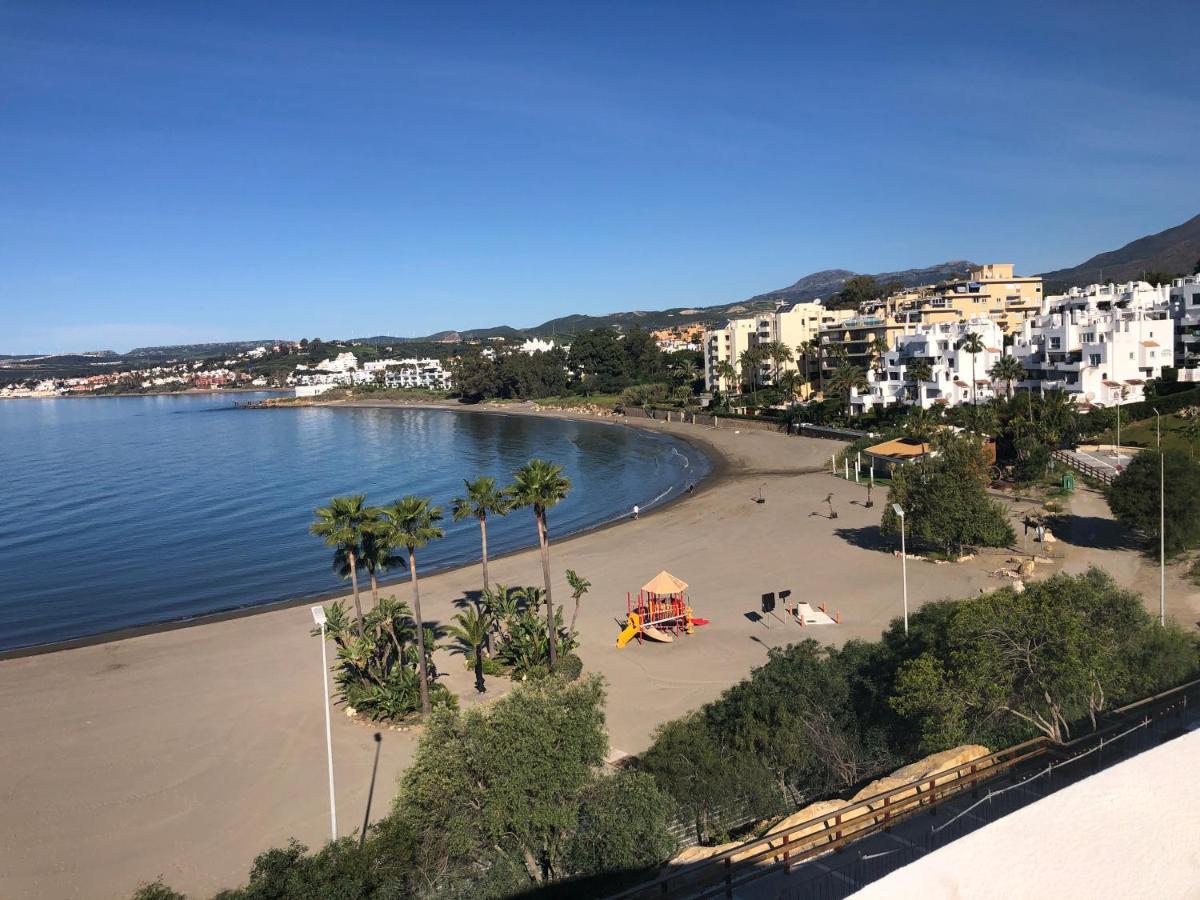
(362, 838)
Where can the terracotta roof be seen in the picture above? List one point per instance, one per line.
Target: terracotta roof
(961, 383)
(1135, 381)
(1149, 343)
(903, 448)
(992, 349)
(982, 381)
(1112, 384)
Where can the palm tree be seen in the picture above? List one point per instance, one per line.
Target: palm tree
(1007, 369)
(918, 371)
(579, 587)
(412, 523)
(845, 380)
(749, 361)
(973, 344)
(807, 351)
(375, 554)
(792, 385)
(473, 628)
(779, 353)
(342, 525)
(879, 346)
(541, 485)
(920, 424)
(727, 373)
(482, 499)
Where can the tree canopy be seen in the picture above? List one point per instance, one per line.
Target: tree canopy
(1134, 498)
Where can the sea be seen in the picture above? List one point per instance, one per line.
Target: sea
(121, 512)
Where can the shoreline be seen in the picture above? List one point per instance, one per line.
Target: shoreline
(717, 472)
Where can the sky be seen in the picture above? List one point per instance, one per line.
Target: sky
(177, 173)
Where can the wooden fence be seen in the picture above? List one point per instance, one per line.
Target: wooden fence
(721, 873)
(1100, 473)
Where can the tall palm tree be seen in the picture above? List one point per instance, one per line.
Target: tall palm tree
(727, 373)
(779, 353)
(807, 350)
(1007, 369)
(918, 371)
(579, 586)
(749, 361)
(342, 525)
(412, 523)
(374, 554)
(973, 344)
(845, 380)
(879, 346)
(483, 498)
(541, 485)
(792, 385)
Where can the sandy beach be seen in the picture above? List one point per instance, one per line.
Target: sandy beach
(185, 752)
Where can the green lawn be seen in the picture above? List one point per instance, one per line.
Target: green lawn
(1141, 434)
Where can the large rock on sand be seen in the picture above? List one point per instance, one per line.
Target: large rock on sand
(921, 769)
(697, 853)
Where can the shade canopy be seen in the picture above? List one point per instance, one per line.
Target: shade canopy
(664, 583)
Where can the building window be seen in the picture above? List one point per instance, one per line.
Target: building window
(1089, 337)
(1055, 343)
(1094, 359)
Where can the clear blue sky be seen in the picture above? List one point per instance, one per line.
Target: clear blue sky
(176, 172)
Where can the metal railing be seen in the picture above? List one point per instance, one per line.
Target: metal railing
(791, 846)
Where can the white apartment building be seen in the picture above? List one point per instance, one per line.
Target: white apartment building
(418, 373)
(1185, 312)
(536, 345)
(953, 369)
(789, 324)
(1100, 344)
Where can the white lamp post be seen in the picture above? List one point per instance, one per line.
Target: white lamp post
(318, 614)
(903, 562)
(1162, 525)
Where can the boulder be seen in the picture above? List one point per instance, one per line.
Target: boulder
(695, 854)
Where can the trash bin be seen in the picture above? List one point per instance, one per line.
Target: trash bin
(1068, 482)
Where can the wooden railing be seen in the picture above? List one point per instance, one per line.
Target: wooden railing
(793, 845)
(1100, 473)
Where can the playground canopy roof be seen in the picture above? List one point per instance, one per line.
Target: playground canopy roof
(664, 583)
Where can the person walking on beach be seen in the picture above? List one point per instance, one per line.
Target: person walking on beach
(636, 511)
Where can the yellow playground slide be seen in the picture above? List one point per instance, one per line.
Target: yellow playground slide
(632, 626)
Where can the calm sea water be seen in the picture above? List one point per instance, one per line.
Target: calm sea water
(129, 511)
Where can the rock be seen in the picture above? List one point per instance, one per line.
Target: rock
(695, 854)
(351, 712)
(1018, 586)
(1027, 568)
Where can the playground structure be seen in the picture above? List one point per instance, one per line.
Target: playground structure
(661, 612)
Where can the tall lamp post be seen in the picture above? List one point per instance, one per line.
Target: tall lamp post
(903, 562)
(318, 614)
(1162, 523)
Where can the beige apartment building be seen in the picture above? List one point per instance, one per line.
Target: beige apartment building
(991, 291)
(788, 324)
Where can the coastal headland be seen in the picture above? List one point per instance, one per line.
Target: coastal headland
(184, 752)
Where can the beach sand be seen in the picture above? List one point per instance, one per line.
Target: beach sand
(186, 752)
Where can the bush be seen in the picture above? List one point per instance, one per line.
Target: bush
(569, 667)
(156, 890)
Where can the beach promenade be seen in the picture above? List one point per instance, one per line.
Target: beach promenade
(186, 752)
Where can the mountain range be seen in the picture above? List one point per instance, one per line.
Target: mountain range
(1175, 250)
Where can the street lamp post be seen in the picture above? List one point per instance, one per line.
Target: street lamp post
(318, 614)
(1162, 523)
(896, 508)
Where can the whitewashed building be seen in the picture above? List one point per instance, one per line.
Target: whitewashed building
(957, 375)
(1185, 312)
(417, 373)
(1100, 344)
(536, 345)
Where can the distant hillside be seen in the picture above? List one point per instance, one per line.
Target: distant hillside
(830, 281)
(1174, 250)
(195, 351)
